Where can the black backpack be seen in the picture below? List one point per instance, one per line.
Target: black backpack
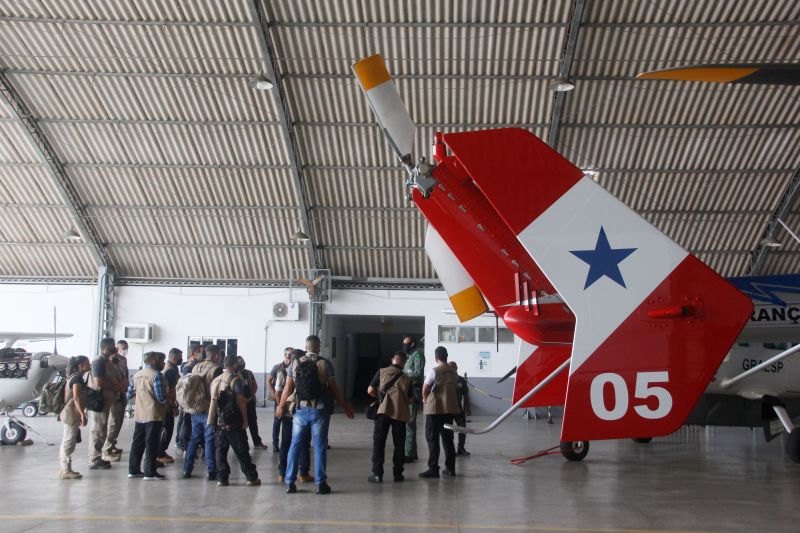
(307, 385)
(229, 416)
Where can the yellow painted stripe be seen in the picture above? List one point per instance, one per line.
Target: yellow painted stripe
(372, 71)
(712, 74)
(468, 303)
(330, 523)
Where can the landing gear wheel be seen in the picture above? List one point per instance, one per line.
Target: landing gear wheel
(574, 451)
(12, 433)
(30, 410)
(642, 440)
(793, 445)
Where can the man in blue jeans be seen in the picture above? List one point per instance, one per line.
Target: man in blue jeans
(201, 429)
(286, 425)
(311, 378)
(276, 380)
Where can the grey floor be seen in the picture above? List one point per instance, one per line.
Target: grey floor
(719, 479)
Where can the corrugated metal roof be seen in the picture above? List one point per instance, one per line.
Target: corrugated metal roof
(184, 170)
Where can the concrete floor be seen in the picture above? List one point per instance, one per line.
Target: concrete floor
(720, 479)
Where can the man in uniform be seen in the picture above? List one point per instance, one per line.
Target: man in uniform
(441, 405)
(415, 370)
(393, 389)
(465, 410)
(116, 413)
(148, 414)
(209, 370)
(104, 380)
(276, 380)
(250, 389)
(229, 414)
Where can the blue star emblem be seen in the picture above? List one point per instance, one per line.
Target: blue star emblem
(603, 260)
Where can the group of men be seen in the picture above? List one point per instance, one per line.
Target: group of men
(217, 407)
(214, 390)
(400, 392)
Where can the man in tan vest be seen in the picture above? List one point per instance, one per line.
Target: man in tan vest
(105, 381)
(441, 406)
(117, 412)
(148, 413)
(229, 415)
(209, 369)
(393, 389)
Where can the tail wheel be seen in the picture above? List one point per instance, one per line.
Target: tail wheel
(642, 440)
(793, 445)
(12, 433)
(30, 410)
(574, 450)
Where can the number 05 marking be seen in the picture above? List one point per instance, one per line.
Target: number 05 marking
(643, 390)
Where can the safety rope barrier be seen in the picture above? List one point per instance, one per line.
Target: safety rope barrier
(488, 394)
(548, 451)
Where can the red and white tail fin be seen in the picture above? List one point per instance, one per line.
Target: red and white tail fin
(533, 365)
(653, 323)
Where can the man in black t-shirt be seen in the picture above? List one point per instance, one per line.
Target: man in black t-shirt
(228, 413)
(171, 376)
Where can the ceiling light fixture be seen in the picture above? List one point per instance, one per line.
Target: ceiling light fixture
(261, 84)
(301, 236)
(770, 242)
(561, 85)
(70, 235)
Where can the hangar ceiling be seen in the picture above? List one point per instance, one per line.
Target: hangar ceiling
(157, 149)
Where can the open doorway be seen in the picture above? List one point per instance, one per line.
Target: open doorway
(362, 344)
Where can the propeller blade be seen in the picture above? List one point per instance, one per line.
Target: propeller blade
(755, 74)
(386, 104)
(465, 297)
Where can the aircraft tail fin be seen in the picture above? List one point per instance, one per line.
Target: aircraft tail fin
(652, 323)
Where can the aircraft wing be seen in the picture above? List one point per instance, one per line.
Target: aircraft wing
(10, 337)
(653, 322)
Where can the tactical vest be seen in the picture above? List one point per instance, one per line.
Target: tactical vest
(442, 399)
(280, 378)
(69, 415)
(207, 369)
(147, 407)
(221, 383)
(112, 375)
(395, 405)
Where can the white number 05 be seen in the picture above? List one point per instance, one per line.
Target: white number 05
(644, 389)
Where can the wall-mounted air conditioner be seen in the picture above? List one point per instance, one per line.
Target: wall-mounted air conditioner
(138, 333)
(285, 311)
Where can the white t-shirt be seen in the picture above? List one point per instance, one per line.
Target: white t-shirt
(430, 377)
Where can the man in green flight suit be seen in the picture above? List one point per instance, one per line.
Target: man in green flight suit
(414, 369)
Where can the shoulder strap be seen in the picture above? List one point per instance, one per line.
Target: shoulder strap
(390, 383)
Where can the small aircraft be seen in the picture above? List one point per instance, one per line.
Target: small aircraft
(23, 375)
(582, 280)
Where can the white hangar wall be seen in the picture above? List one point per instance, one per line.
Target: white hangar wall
(178, 313)
(29, 308)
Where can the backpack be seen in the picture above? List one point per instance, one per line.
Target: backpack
(53, 397)
(192, 394)
(307, 384)
(229, 416)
